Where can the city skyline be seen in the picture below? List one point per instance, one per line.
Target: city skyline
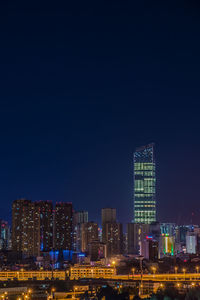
(157, 217)
(99, 150)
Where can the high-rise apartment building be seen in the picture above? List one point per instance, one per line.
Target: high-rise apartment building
(108, 215)
(144, 185)
(17, 211)
(89, 234)
(63, 226)
(43, 229)
(23, 226)
(112, 234)
(32, 226)
(79, 218)
(136, 233)
(114, 238)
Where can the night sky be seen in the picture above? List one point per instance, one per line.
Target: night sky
(82, 85)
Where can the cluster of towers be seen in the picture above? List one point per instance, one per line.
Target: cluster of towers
(39, 227)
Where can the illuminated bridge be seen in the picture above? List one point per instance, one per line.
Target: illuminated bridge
(162, 277)
(62, 275)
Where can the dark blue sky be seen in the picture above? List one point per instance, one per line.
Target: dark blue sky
(82, 85)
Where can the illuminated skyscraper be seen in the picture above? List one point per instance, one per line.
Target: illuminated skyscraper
(166, 246)
(144, 185)
(63, 226)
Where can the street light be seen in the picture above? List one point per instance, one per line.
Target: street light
(176, 269)
(74, 294)
(197, 269)
(52, 292)
(133, 271)
(154, 270)
(184, 270)
(141, 275)
(4, 296)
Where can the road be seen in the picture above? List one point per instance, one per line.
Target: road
(61, 275)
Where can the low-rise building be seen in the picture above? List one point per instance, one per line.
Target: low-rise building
(88, 271)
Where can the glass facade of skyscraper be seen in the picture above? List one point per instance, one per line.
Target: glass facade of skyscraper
(144, 185)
